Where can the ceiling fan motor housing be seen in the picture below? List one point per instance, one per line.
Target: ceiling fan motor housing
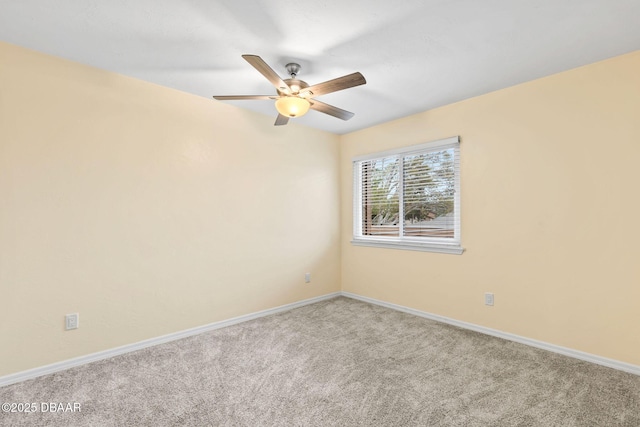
(295, 85)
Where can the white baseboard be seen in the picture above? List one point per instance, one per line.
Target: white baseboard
(66, 364)
(82, 360)
(599, 360)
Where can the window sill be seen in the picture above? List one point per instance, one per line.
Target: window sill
(409, 246)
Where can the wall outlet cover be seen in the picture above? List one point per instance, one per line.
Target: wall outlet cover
(488, 298)
(71, 321)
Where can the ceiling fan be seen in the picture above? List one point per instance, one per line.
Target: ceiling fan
(295, 97)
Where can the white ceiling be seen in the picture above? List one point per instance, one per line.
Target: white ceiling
(415, 54)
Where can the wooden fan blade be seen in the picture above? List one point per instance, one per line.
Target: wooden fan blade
(331, 110)
(344, 82)
(281, 120)
(266, 71)
(243, 97)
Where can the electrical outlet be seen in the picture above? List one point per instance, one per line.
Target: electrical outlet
(307, 277)
(488, 298)
(71, 321)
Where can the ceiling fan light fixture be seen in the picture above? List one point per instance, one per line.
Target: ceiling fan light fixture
(292, 106)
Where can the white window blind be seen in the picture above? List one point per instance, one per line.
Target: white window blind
(409, 198)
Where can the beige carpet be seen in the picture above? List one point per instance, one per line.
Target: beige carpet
(339, 362)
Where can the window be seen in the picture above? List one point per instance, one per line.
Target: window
(409, 198)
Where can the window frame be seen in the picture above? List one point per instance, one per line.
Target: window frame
(427, 244)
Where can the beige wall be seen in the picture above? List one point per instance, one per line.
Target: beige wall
(137, 206)
(550, 208)
(148, 210)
